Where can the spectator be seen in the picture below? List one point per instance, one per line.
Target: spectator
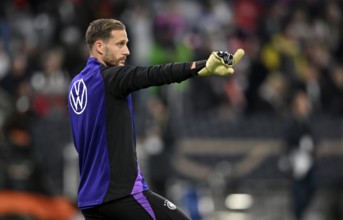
(50, 84)
(301, 143)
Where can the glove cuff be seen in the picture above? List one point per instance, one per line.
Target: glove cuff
(199, 65)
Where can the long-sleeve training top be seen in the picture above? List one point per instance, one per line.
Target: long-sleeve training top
(103, 128)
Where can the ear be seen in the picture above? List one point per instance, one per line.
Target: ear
(99, 46)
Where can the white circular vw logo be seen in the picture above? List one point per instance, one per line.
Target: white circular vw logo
(78, 96)
(169, 204)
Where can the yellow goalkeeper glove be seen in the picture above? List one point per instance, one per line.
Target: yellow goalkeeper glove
(221, 63)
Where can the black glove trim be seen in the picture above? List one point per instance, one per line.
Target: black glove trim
(200, 64)
(226, 56)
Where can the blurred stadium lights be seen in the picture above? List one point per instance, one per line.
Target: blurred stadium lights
(239, 201)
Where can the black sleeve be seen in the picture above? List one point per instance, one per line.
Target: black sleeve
(122, 80)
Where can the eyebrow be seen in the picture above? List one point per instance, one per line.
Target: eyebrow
(122, 40)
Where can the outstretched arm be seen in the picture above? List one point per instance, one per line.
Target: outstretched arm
(123, 80)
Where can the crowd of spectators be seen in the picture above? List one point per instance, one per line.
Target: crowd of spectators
(289, 44)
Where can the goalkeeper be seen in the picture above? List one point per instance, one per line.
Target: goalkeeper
(103, 128)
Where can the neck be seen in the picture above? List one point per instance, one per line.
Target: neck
(98, 58)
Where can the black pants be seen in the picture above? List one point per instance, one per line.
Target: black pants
(142, 206)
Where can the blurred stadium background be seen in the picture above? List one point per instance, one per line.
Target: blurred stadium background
(215, 146)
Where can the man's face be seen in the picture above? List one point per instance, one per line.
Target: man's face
(115, 49)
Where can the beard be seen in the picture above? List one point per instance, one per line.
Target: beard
(110, 60)
(110, 63)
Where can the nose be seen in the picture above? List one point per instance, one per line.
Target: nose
(126, 51)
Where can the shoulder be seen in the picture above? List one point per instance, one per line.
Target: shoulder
(115, 71)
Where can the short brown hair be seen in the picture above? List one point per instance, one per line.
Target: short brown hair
(101, 29)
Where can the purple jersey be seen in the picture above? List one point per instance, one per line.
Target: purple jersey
(103, 129)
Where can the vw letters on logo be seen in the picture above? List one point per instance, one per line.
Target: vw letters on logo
(78, 96)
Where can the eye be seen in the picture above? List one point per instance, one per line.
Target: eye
(121, 44)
